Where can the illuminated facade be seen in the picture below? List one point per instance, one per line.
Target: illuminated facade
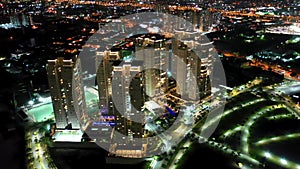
(104, 65)
(127, 81)
(206, 20)
(190, 70)
(153, 50)
(144, 68)
(128, 95)
(120, 87)
(64, 78)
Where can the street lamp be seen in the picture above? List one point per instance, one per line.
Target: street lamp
(31, 102)
(267, 154)
(41, 99)
(283, 161)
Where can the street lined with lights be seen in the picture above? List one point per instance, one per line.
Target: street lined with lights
(277, 138)
(279, 161)
(251, 120)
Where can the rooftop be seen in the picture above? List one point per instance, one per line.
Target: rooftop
(67, 136)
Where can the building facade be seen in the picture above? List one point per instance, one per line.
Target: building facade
(153, 51)
(67, 94)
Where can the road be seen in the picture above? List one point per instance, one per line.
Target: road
(251, 120)
(180, 154)
(38, 151)
(288, 90)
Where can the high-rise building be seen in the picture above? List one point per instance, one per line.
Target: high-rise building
(127, 80)
(128, 99)
(104, 65)
(24, 20)
(144, 68)
(191, 62)
(66, 87)
(14, 20)
(186, 70)
(153, 50)
(120, 88)
(204, 20)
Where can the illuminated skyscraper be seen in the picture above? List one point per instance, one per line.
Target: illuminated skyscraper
(127, 81)
(145, 67)
(128, 99)
(186, 70)
(190, 70)
(66, 87)
(120, 99)
(153, 50)
(14, 19)
(104, 65)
